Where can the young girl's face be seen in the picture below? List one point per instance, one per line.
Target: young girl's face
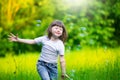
(57, 31)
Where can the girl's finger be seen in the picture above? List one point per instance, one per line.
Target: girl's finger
(12, 35)
(17, 35)
(67, 76)
(10, 39)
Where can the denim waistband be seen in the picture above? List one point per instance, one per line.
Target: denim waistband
(46, 63)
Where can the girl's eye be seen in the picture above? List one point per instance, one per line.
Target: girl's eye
(58, 28)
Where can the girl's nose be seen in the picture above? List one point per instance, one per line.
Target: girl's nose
(58, 30)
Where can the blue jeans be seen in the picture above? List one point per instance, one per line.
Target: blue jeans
(47, 71)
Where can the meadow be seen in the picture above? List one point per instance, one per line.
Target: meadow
(84, 64)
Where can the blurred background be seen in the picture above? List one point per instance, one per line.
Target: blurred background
(90, 24)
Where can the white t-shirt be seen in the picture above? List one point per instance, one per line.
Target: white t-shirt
(50, 49)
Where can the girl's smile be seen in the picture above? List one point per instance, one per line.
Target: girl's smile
(57, 31)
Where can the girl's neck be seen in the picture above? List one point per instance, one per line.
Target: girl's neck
(54, 38)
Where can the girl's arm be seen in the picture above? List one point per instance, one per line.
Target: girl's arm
(14, 38)
(63, 68)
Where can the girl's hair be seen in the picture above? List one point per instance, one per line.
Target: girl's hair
(59, 23)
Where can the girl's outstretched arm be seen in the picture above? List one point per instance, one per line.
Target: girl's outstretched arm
(15, 38)
(63, 68)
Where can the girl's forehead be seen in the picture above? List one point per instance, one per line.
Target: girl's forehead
(57, 26)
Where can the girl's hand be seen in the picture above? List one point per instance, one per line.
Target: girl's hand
(13, 37)
(64, 76)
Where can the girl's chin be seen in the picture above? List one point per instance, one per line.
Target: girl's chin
(56, 36)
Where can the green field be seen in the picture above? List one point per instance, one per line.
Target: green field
(86, 64)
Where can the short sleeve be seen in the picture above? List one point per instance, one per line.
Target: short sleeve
(61, 48)
(40, 40)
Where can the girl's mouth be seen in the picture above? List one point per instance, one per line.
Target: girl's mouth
(57, 33)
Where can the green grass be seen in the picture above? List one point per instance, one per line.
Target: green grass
(86, 64)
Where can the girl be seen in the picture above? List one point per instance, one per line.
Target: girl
(52, 46)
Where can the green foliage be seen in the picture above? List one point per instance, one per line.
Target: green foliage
(91, 26)
(86, 64)
(91, 23)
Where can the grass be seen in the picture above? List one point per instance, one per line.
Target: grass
(86, 64)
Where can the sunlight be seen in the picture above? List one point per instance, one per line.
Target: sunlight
(76, 2)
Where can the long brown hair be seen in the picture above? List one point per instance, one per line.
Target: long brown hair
(59, 23)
